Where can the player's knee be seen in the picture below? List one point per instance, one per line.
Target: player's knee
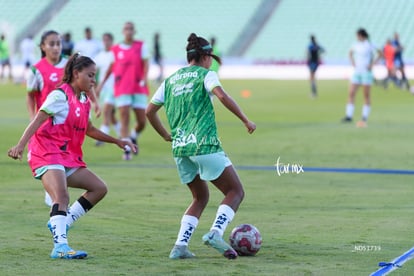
(240, 193)
(202, 200)
(101, 190)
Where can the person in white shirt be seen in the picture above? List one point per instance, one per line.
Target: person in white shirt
(363, 56)
(103, 60)
(27, 51)
(89, 46)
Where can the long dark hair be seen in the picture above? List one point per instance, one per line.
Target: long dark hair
(198, 47)
(75, 62)
(43, 38)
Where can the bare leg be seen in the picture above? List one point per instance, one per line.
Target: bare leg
(229, 184)
(140, 118)
(84, 179)
(124, 119)
(200, 192)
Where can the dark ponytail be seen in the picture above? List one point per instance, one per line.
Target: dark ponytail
(76, 62)
(198, 47)
(43, 38)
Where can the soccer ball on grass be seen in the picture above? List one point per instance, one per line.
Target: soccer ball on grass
(246, 240)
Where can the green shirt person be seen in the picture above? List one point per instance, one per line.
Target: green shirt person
(4, 56)
(187, 98)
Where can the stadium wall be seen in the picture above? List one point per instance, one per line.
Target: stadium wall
(285, 72)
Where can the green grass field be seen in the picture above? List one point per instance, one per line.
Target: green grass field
(310, 222)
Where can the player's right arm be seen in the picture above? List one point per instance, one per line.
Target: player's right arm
(56, 102)
(32, 87)
(106, 77)
(16, 152)
(156, 103)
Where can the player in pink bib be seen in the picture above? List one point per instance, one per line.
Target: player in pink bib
(130, 69)
(46, 74)
(55, 156)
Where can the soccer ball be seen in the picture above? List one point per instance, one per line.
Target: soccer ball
(246, 240)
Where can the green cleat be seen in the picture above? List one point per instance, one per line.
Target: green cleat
(216, 241)
(181, 252)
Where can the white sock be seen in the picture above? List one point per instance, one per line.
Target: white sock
(365, 111)
(48, 199)
(117, 129)
(188, 226)
(58, 224)
(134, 134)
(223, 217)
(350, 110)
(105, 129)
(74, 213)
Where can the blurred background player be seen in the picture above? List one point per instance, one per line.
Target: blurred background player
(103, 60)
(130, 69)
(215, 65)
(5, 57)
(88, 46)
(67, 45)
(363, 55)
(56, 134)
(389, 57)
(313, 59)
(158, 57)
(399, 62)
(187, 99)
(27, 51)
(47, 73)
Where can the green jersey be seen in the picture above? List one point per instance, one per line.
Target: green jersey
(187, 99)
(4, 50)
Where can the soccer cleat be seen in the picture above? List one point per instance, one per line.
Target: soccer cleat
(181, 252)
(134, 141)
(346, 120)
(48, 199)
(99, 143)
(216, 241)
(127, 155)
(63, 251)
(361, 124)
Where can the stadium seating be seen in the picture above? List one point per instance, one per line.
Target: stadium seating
(15, 15)
(334, 24)
(175, 20)
(283, 38)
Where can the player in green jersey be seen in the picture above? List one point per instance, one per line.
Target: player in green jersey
(187, 98)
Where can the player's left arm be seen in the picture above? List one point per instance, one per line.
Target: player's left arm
(96, 134)
(231, 105)
(94, 99)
